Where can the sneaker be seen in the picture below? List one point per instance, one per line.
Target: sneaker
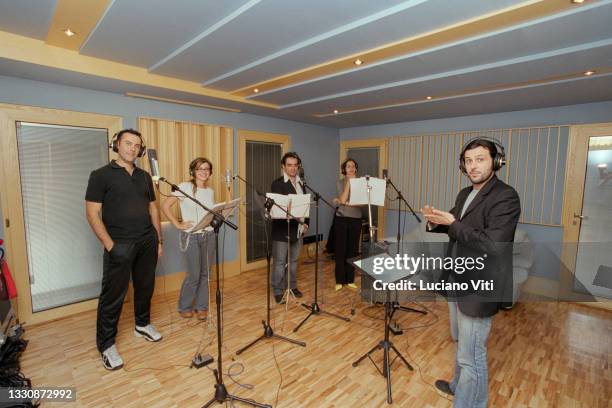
(278, 298)
(186, 314)
(338, 286)
(149, 332)
(202, 314)
(297, 293)
(111, 360)
(352, 285)
(444, 386)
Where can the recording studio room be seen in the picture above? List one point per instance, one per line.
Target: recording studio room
(324, 203)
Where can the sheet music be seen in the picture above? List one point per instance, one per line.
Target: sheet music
(359, 191)
(225, 209)
(300, 205)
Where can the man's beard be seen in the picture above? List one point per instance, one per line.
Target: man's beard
(480, 178)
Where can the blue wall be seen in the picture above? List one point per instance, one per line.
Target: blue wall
(547, 240)
(563, 115)
(318, 146)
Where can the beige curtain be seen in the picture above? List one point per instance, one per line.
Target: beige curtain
(178, 143)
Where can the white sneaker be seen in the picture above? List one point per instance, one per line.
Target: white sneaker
(111, 358)
(149, 332)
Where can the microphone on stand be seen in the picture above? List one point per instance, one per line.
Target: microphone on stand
(228, 179)
(154, 166)
(302, 179)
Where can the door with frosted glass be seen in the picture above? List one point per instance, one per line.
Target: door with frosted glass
(262, 167)
(587, 236)
(593, 269)
(64, 256)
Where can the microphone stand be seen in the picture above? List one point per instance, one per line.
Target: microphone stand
(268, 332)
(314, 307)
(221, 395)
(395, 304)
(371, 227)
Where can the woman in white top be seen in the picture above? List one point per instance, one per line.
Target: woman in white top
(198, 246)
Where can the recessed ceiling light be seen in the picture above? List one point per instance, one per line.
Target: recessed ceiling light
(429, 98)
(358, 62)
(589, 73)
(69, 32)
(256, 90)
(602, 166)
(577, 1)
(335, 111)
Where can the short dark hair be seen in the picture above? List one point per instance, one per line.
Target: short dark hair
(487, 144)
(130, 131)
(345, 162)
(291, 155)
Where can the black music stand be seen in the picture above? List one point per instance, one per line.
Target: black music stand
(268, 332)
(315, 309)
(364, 264)
(216, 220)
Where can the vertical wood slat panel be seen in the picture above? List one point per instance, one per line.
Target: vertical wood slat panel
(425, 166)
(535, 177)
(178, 143)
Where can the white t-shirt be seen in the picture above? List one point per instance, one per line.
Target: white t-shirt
(190, 210)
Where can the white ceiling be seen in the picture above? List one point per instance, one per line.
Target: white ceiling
(230, 44)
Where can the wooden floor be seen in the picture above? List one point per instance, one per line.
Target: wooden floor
(540, 355)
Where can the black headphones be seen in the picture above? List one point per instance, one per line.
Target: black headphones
(115, 141)
(499, 160)
(345, 162)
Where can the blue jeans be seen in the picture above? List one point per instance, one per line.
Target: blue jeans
(200, 257)
(452, 318)
(470, 383)
(279, 267)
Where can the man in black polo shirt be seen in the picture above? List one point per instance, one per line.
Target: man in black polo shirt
(120, 206)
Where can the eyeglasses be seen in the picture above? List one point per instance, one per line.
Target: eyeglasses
(204, 169)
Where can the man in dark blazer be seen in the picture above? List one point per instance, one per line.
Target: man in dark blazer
(288, 183)
(481, 224)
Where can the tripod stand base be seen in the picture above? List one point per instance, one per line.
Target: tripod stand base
(409, 309)
(222, 396)
(269, 333)
(387, 346)
(316, 310)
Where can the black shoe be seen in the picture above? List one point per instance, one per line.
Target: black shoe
(278, 299)
(297, 293)
(444, 386)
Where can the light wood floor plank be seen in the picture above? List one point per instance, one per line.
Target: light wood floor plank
(540, 354)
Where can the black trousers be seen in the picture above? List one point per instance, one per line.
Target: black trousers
(137, 259)
(346, 242)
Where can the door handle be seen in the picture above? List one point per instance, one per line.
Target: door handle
(582, 217)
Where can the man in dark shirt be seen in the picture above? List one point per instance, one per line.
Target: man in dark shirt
(288, 183)
(120, 206)
(481, 224)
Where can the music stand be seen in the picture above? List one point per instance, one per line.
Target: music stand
(314, 308)
(216, 219)
(396, 329)
(268, 331)
(365, 265)
(368, 191)
(288, 207)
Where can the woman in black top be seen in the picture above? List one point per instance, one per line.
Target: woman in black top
(347, 227)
